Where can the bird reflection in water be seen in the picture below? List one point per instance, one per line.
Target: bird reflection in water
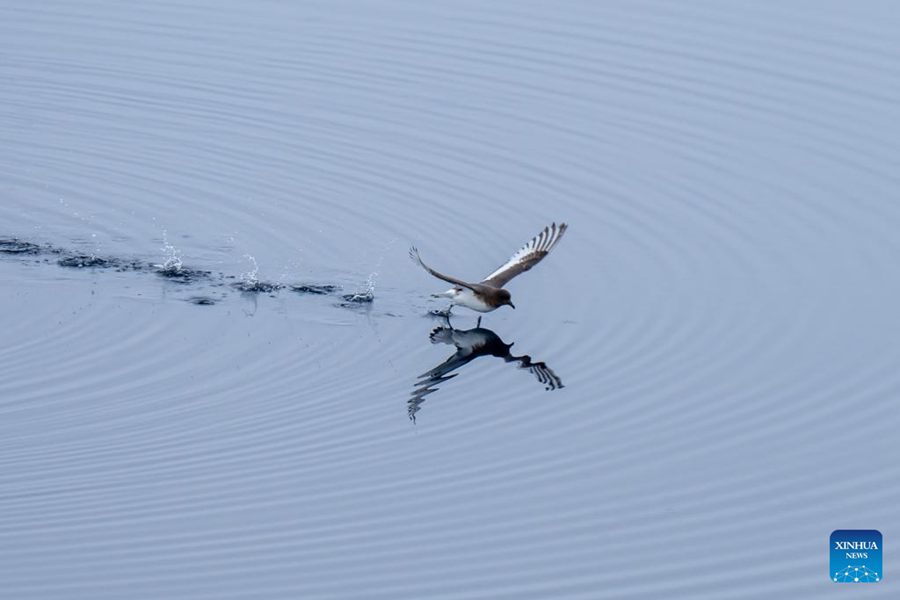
(470, 344)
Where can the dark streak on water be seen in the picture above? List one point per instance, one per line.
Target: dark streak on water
(315, 289)
(16, 246)
(257, 287)
(84, 261)
(175, 273)
(181, 274)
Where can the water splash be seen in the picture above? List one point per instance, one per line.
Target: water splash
(173, 266)
(95, 253)
(251, 278)
(173, 260)
(365, 294)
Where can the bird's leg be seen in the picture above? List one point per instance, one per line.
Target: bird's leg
(442, 314)
(479, 321)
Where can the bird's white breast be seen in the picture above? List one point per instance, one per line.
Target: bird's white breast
(465, 297)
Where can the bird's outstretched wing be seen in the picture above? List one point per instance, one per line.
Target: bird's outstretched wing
(540, 370)
(414, 255)
(529, 255)
(545, 375)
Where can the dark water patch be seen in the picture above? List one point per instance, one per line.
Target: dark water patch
(84, 261)
(130, 265)
(315, 289)
(257, 287)
(180, 274)
(201, 300)
(359, 298)
(17, 246)
(89, 261)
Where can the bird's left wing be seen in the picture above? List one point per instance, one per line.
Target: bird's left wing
(414, 254)
(528, 255)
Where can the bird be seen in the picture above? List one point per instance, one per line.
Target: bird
(489, 294)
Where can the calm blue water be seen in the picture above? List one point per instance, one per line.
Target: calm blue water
(721, 316)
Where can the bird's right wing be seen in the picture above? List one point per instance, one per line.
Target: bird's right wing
(540, 370)
(545, 375)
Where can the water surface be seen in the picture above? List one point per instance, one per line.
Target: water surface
(214, 341)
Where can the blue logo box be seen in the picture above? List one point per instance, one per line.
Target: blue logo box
(856, 556)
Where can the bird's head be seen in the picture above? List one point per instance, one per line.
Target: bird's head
(506, 299)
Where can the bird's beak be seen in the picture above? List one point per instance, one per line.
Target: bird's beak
(513, 305)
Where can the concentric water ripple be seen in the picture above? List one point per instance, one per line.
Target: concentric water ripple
(213, 413)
